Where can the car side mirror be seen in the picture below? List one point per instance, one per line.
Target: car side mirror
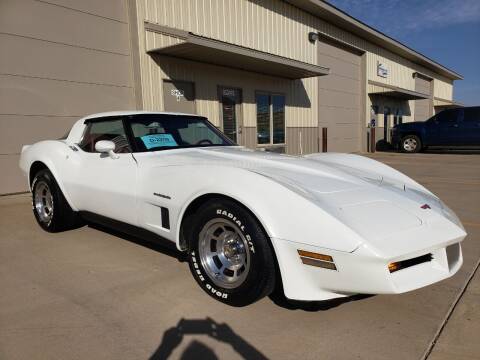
(106, 147)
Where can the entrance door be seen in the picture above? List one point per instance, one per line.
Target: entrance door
(386, 123)
(179, 96)
(230, 105)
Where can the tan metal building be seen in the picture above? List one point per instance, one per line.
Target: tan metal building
(270, 73)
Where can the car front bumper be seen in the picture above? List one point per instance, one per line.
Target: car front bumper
(361, 272)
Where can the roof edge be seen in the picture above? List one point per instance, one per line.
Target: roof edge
(415, 95)
(341, 19)
(190, 38)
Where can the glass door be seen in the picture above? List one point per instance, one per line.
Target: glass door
(230, 103)
(386, 123)
(398, 117)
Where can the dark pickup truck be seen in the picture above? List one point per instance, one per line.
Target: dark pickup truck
(451, 128)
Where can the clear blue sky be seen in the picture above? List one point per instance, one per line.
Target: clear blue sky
(447, 31)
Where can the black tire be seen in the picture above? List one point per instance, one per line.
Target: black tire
(411, 144)
(259, 280)
(61, 217)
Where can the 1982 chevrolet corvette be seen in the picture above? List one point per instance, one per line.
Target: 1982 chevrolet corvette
(323, 225)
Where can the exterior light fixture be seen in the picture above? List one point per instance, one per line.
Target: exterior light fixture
(312, 37)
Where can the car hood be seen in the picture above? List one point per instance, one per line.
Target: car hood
(372, 199)
(323, 174)
(324, 177)
(410, 125)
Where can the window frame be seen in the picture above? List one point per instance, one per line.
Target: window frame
(126, 129)
(131, 138)
(215, 129)
(270, 94)
(439, 118)
(239, 115)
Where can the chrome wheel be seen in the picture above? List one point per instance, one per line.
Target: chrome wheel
(224, 253)
(43, 202)
(410, 144)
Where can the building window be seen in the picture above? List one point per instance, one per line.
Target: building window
(270, 119)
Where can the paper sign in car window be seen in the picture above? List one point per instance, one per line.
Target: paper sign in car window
(158, 140)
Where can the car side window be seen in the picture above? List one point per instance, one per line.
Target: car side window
(111, 129)
(447, 116)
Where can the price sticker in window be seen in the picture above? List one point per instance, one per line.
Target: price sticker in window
(158, 140)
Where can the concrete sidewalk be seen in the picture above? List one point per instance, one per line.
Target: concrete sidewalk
(95, 294)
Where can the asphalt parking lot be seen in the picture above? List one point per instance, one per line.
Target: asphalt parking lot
(93, 294)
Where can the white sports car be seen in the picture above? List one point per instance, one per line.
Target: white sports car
(322, 226)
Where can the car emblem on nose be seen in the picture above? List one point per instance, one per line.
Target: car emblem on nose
(425, 206)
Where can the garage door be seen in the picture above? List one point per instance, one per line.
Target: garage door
(422, 107)
(340, 98)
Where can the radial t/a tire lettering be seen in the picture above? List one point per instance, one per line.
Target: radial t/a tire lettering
(229, 254)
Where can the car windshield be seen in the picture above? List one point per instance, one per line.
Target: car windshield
(154, 132)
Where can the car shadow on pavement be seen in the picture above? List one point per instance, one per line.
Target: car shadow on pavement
(279, 299)
(148, 240)
(166, 247)
(222, 333)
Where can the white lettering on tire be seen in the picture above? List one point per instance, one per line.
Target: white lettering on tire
(202, 278)
(195, 265)
(240, 225)
(216, 292)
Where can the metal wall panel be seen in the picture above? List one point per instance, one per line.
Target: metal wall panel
(154, 40)
(249, 135)
(267, 25)
(111, 9)
(31, 96)
(443, 88)
(302, 140)
(179, 96)
(272, 26)
(299, 94)
(400, 70)
(41, 20)
(29, 57)
(12, 180)
(34, 128)
(65, 59)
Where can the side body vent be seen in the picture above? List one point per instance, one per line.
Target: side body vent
(165, 217)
